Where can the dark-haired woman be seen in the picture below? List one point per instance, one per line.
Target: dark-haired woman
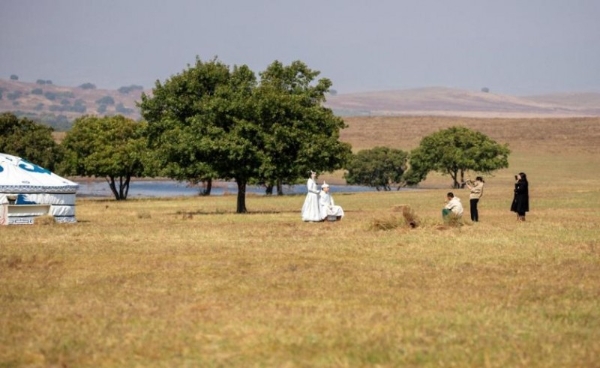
(311, 210)
(520, 203)
(476, 188)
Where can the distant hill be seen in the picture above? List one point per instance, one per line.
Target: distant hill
(455, 102)
(58, 106)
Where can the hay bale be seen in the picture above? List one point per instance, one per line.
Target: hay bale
(385, 223)
(410, 217)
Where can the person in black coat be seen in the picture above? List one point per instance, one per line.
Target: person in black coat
(520, 203)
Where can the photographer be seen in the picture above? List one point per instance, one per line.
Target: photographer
(476, 188)
(520, 203)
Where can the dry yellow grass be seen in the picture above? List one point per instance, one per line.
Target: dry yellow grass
(186, 282)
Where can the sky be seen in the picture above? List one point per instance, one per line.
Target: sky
(516, 47)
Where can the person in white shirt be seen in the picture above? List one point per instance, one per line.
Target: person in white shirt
(453, 206)
(476, 188)
(328, 207)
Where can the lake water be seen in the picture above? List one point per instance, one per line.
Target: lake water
(170, 188)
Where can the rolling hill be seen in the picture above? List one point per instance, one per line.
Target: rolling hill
(58, 106)
(455, 102)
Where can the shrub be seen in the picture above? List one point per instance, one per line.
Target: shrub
(66, 94)
(37, 91)
(40, 81)
(106, 100)
(87, 86)
(101, 109)
(50, 95)
(14, 77)
(121, 109)
(39, 107)
(126, 89)
(14, 95)
(78, 108)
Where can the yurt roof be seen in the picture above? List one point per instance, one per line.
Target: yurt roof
(18, 175)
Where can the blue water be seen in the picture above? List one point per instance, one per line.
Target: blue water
(170, 188)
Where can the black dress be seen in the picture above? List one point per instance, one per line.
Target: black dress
(520, 203)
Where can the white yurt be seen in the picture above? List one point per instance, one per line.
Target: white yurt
(28, 190)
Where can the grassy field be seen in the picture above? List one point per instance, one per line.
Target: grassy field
(186, 282)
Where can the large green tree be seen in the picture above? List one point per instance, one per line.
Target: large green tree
(213, 121)
(379, 167)
(199, 126)
(112, 147)
(29, 140)
(457, 150)
(300, 133)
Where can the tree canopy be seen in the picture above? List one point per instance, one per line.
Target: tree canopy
(111, 147)
(379, 167)
(300, 134)
(29, 140)
(457, 150)
(213, 121)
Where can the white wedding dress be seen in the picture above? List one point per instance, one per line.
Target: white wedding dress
(310, 209)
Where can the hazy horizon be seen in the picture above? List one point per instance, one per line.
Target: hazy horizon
(511, 47)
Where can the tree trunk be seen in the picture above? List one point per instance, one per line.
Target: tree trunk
(206, 191)
(279, 187)
(124, 186)
(269, 189)
(454, 175)
(120, 193)
(111, 183)
(241, 196)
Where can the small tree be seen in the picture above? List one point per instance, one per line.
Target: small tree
(14, 95)
(50, 95)
(379, 167)
(456, 150)
(121, 109)
(110, 147)
(106, 100)
(14, 77)
(87, 86)
(29, 140)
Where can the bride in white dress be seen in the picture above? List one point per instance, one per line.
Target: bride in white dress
(310, 209)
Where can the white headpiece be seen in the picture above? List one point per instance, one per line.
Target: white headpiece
(325, 185)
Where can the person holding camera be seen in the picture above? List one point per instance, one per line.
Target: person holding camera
(476, 188)
(520, 203)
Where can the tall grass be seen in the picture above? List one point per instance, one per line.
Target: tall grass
(187, 282)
